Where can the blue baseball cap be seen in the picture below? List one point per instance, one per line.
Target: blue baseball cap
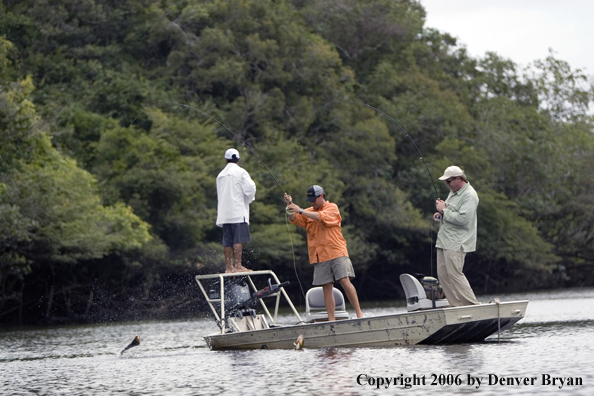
(313, 192)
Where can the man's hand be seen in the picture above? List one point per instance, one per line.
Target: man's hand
(294, 208)
(440, 205)
(288, 199)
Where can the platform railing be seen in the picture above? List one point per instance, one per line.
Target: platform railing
(221, 316)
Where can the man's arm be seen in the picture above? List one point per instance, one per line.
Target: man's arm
(248, 186)
(330, 215)
(296, 214)
(296, 210)
(462, 215)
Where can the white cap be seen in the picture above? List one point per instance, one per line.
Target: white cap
(230, 153)
(452, 171)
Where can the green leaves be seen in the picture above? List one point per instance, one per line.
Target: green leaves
(66, 220)
(364, 32)
(164, 176)
(17, 117)
(141, 98)
(565, 94)
(50, 210)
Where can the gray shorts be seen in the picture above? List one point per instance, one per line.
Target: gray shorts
(333, 270)
(235, 233)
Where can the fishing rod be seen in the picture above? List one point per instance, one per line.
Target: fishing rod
(317, 111)
(396, 123)
(414, 145)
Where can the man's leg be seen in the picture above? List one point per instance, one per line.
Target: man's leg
(329, 300)
(351, 293)
(455, 285)
(228, 259)
(227, 247)
(237, 253)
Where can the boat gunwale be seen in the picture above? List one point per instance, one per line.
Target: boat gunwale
(344, 322)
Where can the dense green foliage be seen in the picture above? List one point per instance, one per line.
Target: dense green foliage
(114, 117)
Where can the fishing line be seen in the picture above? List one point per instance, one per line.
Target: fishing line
(317, 111)
(397, 124)
(431, 249)
(294, 260)
(409, 138)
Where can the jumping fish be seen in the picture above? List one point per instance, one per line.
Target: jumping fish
(135, 342)
(299, 343)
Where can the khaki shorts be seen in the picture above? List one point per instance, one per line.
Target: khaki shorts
(333, 270)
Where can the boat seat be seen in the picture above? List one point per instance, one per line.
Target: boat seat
(315, 309)
(416, 298)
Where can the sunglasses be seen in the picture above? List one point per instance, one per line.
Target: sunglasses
(450, 179)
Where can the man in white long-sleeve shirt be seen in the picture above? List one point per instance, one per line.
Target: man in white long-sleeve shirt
(235, 191)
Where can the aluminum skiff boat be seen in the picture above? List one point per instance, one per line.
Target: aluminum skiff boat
(238, 303)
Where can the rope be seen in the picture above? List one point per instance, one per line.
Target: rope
(496, 301)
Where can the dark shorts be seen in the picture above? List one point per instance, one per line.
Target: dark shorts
(333, 270)
(236, 233)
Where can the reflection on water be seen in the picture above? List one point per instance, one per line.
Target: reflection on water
(554, 341)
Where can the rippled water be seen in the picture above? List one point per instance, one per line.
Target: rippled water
(554, 341)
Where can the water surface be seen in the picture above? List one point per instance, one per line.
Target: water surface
(554, 341)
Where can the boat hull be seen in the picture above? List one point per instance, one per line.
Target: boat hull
(434, 326)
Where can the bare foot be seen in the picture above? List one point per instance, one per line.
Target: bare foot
(229, 271)
(242, 269)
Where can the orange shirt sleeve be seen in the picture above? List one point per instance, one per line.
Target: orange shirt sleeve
(299, 220)
(330, 216)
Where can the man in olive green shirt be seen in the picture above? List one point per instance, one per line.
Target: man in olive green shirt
(456, 236)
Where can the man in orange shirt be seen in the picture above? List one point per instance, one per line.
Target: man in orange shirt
(326, 245)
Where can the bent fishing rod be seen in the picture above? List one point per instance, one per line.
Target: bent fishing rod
(317, 111)
(396, 123)
(409, 138)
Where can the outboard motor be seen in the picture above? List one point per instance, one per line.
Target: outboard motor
(242, 300)
(431, 285)
(238, 299)
(237, 296)
(237, 293)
